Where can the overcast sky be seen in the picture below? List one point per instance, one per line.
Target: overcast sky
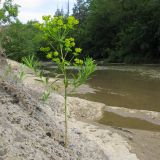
(34, 9)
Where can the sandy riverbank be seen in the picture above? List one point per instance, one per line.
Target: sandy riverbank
(40, 135)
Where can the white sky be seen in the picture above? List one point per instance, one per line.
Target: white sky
(35, 9)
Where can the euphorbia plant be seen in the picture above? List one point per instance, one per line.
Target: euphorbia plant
(62, 50)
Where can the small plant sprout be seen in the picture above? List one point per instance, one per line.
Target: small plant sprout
(61, 49)
(47, 92)
(21, 73)
(46, 95)
(31, 62)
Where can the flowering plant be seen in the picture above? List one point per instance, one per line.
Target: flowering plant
(62, 50)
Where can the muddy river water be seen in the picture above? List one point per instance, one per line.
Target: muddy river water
(134, 87)
(123, 87)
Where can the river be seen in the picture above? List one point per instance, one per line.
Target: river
(126, 87)
(134, 87)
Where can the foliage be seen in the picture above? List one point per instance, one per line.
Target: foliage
(80, 10)
(121, 31)
(20, 40)
(46, 95)
(21, 75)
(59, 12)
(8, 12)
(62, 50)
(85, 71)
(31, 61)
(140, 38)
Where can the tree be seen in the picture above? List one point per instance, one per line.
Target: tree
(139, 39)
(8, 12)
(120, 31)
(59, 12)
(20, 40)
(80, 10)
(101, 26)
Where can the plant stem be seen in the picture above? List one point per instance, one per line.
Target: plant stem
(65, 110)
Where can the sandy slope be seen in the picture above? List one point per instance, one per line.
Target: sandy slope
(30, 129)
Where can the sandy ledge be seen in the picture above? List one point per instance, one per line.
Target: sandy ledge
(39, 136)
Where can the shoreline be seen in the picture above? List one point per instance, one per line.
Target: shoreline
(109, 140)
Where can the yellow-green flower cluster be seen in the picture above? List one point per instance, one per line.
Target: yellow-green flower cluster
(53, 24)
(77, 51)
(58, 21)
(78, 61)
(46, 18)
(57, 28)
(57, 60)
(71, 22)
(55, 53)
(50, 55)
(69, 43)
